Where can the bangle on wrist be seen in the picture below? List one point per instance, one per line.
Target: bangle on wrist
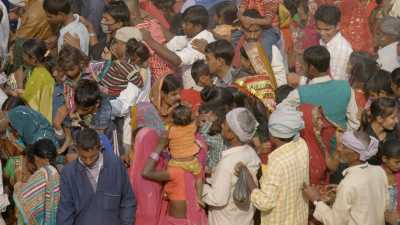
(155, 156)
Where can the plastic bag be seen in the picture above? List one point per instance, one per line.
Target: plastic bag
(241, 192)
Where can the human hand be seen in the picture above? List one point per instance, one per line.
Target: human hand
(392, 217)
(239, 167)
(293, 80)
(72, 40)
(199, 45)
(311, 193)
(107, 54)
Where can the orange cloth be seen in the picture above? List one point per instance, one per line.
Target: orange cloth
(175, 188)
(182, 141)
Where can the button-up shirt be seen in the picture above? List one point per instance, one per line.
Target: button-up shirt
(353, 123)
(340, 51)
(218, 195)
(228, 79)
(362, 198)
(75, 28)
(280, 198)
(182, 46)
(389, 57)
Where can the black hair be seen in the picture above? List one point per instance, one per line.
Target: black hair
(391, 148)
(44, 149)
(164, 4)
(328, 14)
(35, 48)
(70, 56)
(291, 6)
(87, 93)
(182, 115)
(282, 92)
(382, 107)
(303, 4)
(170, 84)
(227, 11)
(395, 76)
(12, 102)
(197, 15)
(55, 7)
(199, 68)
(252, 13)
(363, 67)
(221, 49)
(244, 53)
(380, 81)
(217, 96)
(317, 56)
(119, 11)
(87, 138)
(136, 49)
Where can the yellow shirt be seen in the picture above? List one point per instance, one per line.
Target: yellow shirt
(280, 198)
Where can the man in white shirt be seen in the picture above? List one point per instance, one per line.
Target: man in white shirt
(59, 12)
(362, 196)
(179, 50)
(327, 19)
(389, 54)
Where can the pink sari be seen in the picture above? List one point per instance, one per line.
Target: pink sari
(195, 215)
(148, 193)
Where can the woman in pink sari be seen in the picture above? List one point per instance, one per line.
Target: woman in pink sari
(147, 192)
(180, 207)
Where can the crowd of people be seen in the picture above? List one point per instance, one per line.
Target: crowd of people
(199, 112)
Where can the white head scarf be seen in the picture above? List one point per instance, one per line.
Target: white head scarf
(285, 122)
(366, 152)
(242, 122)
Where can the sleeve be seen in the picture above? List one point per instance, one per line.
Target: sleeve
(340, 212)
(66, 210)
(217, 194)
(128, 200)
(266, 197)
(292, 100)
(126, 99)
(352, 110)
(188, 56)
(278, 66)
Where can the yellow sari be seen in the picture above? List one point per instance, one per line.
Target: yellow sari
(38, 92)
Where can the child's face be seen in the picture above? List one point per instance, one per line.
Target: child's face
(72, 72)
(205, 81)
(204, 118)
(189, 29)
(392, 163)
(28, 60)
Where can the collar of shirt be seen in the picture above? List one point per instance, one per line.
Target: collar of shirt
(333, 42)
(227, 80)
(97, 166)
(348, 170)
(73, 23)
(322, 79)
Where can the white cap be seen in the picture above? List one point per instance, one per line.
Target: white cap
(125, 33)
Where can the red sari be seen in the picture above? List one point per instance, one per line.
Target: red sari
(318, 133)
(354, 24)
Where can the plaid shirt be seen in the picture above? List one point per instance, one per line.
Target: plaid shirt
(280, 197)
(215, 146)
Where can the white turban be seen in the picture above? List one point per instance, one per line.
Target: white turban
(366, 152)
(242, 122)
(285, 122)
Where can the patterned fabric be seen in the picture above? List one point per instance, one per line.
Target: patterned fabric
(38, 92)
(69, 91)
(215, 146)
(192, 166)
(37, 200)
(280, 198)
(146, 115)
(102, 118)
(119, 75)
(354, 24)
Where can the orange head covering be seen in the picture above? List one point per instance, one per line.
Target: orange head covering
(182, 141)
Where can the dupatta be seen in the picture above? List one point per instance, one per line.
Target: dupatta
(147, 192)
(37, 200)
(38, 92)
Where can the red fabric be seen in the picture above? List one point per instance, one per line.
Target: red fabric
(149, 7)
(192, 97)
(236, 58)
(361, 99)
(259, 5)
(354, 24)
(318, 168)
